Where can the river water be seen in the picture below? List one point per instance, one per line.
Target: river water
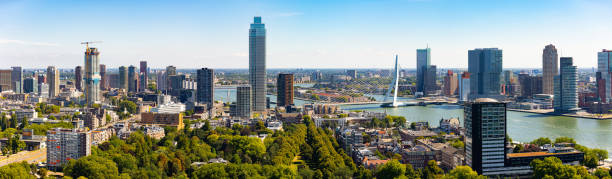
(523, 127)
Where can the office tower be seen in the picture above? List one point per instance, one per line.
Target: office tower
(170, 71)
(132, 79)
(103, 78)
(530, 85)
(565, 96)
(463, 89)
(161, 81)
(53, 81)
(67, 144)
(30, 85)
(485, 67)
(604, 76)
(78, 78)
(284, 89)
(423, 65)
(431, 77)
(42, 78)
(123, 78)
(175, 82)
(485, 136)
(92, 76)
(317, 75)
(206, 86)
(113, 80)
(17, 79)
(5, 80)
(352, 73)
(450, 83)
(243, 101)
(257, 64)
(550, 59)
(144, 76)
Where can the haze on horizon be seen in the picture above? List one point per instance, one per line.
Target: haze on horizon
(300, 34)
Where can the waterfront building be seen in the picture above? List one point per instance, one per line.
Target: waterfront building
(66, 144)
(604, 76)
(92, 76)
(463, 88)
(423, 65)
(450, 83)
(123, 78)
(284, 90)
(54, 81)
(17, 79)
(530, 85)
(243, 101)
(431, 78)
(550, 59)
(144, 76)
(103, 78)
(132, 79)
(78, 78)
(5, 80)
(30, 85)
(485, 137)
(566, 93)
(485, 67)
(257, 64)
(205, 86)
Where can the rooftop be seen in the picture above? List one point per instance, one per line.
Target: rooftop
(533, 154)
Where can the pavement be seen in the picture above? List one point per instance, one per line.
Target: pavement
(28, 156)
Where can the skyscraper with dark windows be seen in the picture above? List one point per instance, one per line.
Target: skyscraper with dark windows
(144, 76)
(103, 78)
(54, 81)
(243, 101)
(206, 86)
(257, 63)
(123, 78)
(485, 135)
(566, 93)
(604, 76)
(485, 68)
(17, 79)
(92, 76)
(30, 85)
(78, 78)
(550, 68)
(423, 66)
(132, 79)
(284, 89)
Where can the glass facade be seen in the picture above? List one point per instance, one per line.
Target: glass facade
(257, 64)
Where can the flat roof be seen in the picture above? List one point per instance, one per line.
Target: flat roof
(533, 154)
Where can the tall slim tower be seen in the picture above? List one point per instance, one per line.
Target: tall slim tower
(132, 79)
(550, 60)
(144, 76)
(123, 78)
(103, 78)
(206, 86)
(485, 135)
(53, 80)
(284, 89)
(566, 92)
(423, 63)
(17, 79)
(243, 101)
(485, 68)
(257, 63)
(92, 76)
(604, 76)
(78, 78)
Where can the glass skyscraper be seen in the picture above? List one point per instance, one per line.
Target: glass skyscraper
(485, 68)
(423, 63)
(566, 98)
(257, 64)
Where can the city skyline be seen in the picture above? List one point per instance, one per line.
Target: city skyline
(305, 36)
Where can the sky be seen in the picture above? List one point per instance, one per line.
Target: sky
(300, 34)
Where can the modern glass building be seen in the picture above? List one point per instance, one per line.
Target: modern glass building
(257, 64)
(243, 101)
(92, 76)
(206, 86)
(485, 68)
(423, 63)
(53, 81)
(566, 93)
(144, 76)
(485, 136)
(17, 79)
(78, 78)
(604, 76)
(123, 78)
(132, 79)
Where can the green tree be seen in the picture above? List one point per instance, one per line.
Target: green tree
(553, 167)
(541, 141)
(127, 105)
(565, 140)
(391, 169)
(91, 167)
(602, 173)
(463, 172)
(17, 170)
(432, 170)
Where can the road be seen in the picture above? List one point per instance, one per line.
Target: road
(28, 156)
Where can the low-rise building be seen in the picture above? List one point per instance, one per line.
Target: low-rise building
(155, 132)
(166, 119)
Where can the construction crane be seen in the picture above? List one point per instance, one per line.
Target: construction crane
(87, 43)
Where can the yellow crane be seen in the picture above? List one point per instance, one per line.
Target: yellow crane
(87, 43)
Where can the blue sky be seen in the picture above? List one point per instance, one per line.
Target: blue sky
(301, 34)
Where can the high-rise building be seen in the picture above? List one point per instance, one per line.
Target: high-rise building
(243, 101)
(257, 63)
(431, 78)
(604, 76)
(53, 80)
(485, 67)
(30, 85)
(170, 71)
(5, 80)
(485, 135)
(206, 86)
(17, 79)
(423, 65)
(566, 94)
(78, 78)
(103, 78)
(161, 81)
(530, 85)
(132, 79)
(92, 76)
(352, 73)
(284, 89)
(450, 83)
(67, 144)
(550, 59)
(144, 76)
(463, 89)
(123, 78)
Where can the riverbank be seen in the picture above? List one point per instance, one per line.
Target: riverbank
(551, 112)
